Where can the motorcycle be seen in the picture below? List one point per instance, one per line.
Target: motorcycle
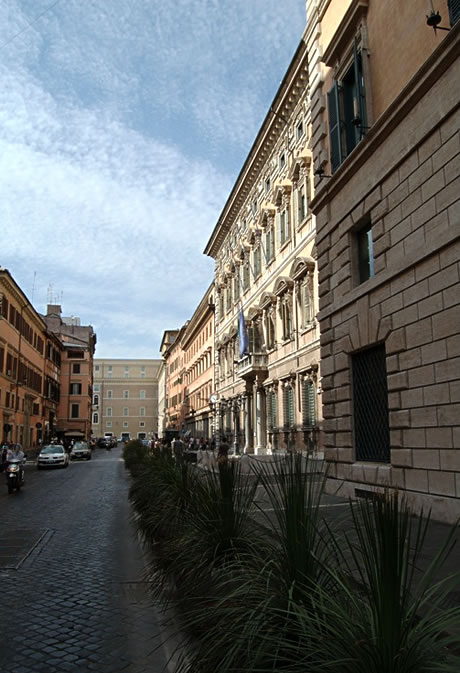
(14, 475)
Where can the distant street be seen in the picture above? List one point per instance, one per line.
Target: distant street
(71, 574)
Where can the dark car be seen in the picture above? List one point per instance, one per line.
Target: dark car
(103, 443)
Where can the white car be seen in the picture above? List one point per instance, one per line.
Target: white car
(53, 455)
(80, 450)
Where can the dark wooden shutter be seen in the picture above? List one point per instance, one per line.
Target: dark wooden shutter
(334, 127)
(454, 11)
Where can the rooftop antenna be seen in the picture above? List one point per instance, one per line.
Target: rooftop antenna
(49, 295)
(33, 287)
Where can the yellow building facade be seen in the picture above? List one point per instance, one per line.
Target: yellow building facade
(269, 389)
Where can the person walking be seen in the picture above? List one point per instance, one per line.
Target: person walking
(222, 456)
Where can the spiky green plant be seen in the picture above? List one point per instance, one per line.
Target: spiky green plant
(386, 614)
(250, 625)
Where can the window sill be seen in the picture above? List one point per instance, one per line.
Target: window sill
(284, 245)
(307, 328)
(287, 341)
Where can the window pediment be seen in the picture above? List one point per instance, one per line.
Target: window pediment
(283, 190)
(267, 299)
(282, 285)
(301, 162)
(301, 266)
(267, 212)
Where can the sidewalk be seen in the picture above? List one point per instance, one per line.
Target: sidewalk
(337, 512)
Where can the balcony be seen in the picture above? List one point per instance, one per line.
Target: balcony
(252, 364)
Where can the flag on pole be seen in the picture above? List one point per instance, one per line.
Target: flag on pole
(243, 335)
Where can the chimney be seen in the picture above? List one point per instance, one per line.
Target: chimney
(54, 309)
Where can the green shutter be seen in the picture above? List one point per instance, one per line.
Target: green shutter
(308, 403)
(454, 11)
(359, 87)
(291, 406)
(334, 127)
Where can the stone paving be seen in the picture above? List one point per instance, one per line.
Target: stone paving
(71, 572)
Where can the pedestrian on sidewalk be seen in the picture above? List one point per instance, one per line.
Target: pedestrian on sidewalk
(224, 446)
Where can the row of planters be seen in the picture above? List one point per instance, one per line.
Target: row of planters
(278, 588)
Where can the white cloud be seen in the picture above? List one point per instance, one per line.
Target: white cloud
(116, 120)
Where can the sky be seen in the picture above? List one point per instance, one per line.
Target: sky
(123, 127)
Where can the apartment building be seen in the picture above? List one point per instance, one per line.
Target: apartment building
(267, 335)
(197, 343)
(161, 399)
(76, 373)
(23, 365)
(125, 399)
(384, 85)
(173, 356)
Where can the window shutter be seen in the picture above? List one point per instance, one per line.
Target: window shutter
(251, 339)
(359, 84)
(274, 418)
(278, 229)
(285, 408)
(454, 11)
(334, 127)
(291, 406)
(308, 403)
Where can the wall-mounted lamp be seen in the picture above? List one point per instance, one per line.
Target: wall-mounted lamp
(433, 19)
(320, 173)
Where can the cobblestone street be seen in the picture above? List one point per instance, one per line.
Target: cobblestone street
(71, 572)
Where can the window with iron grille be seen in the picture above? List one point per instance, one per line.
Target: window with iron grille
(288, 406)
(370, 405)
(308, 403)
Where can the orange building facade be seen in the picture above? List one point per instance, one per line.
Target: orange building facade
(74, 412)
(198, 347)
(22, 365)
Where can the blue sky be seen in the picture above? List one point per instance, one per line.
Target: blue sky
(123, 126)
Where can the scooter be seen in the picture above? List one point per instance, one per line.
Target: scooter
(14, 475)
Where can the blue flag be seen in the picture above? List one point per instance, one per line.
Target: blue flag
(243, 335)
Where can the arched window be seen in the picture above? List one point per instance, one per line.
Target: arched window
(96, 400)
(95, 418)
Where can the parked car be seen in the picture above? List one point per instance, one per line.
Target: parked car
(53, 455)
(80, 450)
(103, 442)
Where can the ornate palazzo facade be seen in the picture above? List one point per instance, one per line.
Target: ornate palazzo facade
(268, 389)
